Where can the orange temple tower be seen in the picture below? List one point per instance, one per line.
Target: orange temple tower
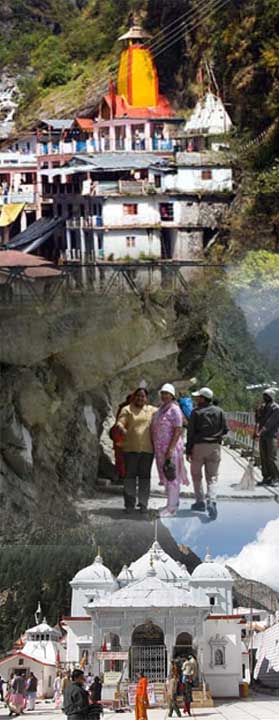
(137, 75)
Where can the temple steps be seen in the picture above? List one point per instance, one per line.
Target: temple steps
(200, 699)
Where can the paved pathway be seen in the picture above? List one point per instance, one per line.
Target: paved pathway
(231, 471)
(259, 707)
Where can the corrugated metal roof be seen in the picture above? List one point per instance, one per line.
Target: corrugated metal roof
(39, 230)
(56, 124)
(122, 160)
(113, 162)
(203, 159)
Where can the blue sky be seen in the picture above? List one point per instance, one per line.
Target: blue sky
(237, 525)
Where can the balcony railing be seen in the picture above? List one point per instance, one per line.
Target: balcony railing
(163, 145)
(108, 144)
(125, 187)
(18, 197)
(8, 159)
(94, 221)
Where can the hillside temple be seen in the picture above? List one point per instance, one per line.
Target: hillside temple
(130, 180)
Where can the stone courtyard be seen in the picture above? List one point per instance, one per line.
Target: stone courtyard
(256, 707)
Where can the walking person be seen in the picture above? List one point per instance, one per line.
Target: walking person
(187, 695)
(172, 691)
(1, 689)
(141, 698)
(207, 426)
(31, 691)
(134, 421)
(167, 437)
(57, 687)
(95, 690)
(66, 680)
(17, 696)
(267, 418)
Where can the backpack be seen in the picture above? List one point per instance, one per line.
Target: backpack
(186, 405)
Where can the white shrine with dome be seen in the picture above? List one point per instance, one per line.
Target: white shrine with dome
(152, 613)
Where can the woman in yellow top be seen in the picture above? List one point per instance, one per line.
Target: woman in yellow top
(141, 698)
(135, 422)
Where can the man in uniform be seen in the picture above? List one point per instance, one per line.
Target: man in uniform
(268, 425)
(207, 426)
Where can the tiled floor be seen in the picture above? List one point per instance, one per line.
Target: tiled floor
(255, 708)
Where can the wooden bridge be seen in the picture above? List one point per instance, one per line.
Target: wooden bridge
(23, 283)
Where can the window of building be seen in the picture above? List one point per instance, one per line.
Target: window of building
(21, 661)
(219, 657)
(157, 181)
(130, 241)
(212, 600)
(49, 681)
(28, 179)
(130, 209)
(166, 211)
(206, 174)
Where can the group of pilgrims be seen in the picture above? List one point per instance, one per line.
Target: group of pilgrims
(143, 432)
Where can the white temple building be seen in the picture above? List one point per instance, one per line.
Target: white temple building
(209, 117)
(41, 651)
(152, 613)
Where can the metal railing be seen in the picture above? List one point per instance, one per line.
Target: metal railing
(242, 426)
(86, 273)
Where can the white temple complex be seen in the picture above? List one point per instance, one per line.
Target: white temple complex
(152, 613)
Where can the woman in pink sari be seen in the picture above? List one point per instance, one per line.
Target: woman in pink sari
(167, 437)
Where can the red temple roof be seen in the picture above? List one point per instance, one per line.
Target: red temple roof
(85, 124)
(123, 109)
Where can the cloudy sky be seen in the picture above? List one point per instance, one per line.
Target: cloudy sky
(245, 535)
(259, 559)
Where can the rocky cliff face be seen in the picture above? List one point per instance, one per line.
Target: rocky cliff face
(245, 591)
(64, 371)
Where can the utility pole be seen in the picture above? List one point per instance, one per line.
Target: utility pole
(250, 646)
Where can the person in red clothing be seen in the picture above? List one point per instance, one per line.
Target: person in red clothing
(141, 698)
(117, 436)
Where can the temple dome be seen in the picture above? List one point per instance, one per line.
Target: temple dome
(125, 576)
(95, 574)
(210, 570)
(165, 567)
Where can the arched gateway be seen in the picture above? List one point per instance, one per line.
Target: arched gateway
(148, 652)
